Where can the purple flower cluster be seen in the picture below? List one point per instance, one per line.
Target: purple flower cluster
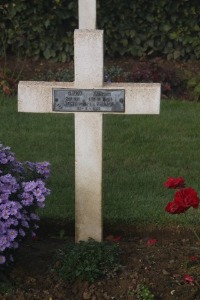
(42, 168)
(22, 190)
(34, 191)
(6, 155)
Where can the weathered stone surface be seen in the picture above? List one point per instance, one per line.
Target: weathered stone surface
(87, 14)
(88, 176)
(140, 98)
(88, 56)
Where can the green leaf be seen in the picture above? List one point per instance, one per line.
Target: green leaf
(197, 89)
(63, 57)
(169, 56)
(124, 42)
(47, 23)
(176, 54)
(166, 27)
(151, 43)
(192, 82)
(47, 53)
(132, 33)
(173, 35)
(61, 233)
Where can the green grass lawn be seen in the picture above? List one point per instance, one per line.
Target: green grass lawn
(140, 152)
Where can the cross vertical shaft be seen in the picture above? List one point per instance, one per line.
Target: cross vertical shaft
(88, 176)
(88, 60)
(87, 14)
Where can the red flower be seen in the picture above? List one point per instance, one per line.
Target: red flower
(151, 242)
(35, 238)
(174, 183)
(175, 208)
(183, 200)
(193, 258)
(186, 198)
(188, 278)
(117, 238)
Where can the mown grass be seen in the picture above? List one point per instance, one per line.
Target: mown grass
(140, 152)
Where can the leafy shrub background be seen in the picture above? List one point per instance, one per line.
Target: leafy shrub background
(157, 27)
(38, 28)
(138, 28)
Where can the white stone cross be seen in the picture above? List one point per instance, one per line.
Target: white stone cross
(39, 97)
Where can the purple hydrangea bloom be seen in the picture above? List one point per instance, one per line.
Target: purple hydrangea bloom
(22, 232)
(4, 212)
(2, 227)
(29, 186)
(34, 217)
(27, 199)
(12, 233)
(22, 190)
(25, 224)
(6, 156)
(4, 243)
(43, 168)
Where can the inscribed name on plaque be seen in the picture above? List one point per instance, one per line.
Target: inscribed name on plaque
(88, 100)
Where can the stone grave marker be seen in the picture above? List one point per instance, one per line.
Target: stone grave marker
(88, 98)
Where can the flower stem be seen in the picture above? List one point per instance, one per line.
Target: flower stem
(196, 234)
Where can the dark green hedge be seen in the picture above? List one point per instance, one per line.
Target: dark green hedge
(142, 28)
(156, 27)
(39, 28)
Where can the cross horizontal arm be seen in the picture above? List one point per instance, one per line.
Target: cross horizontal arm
(140, 98)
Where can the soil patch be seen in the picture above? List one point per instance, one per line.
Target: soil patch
(178, 79)
(166, 260)
(30, 69)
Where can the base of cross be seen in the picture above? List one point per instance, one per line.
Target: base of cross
(140, 98)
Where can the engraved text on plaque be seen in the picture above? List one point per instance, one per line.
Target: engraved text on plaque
(88, 100)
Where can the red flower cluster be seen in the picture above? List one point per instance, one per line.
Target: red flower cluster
(183, 199)
(174, 183)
